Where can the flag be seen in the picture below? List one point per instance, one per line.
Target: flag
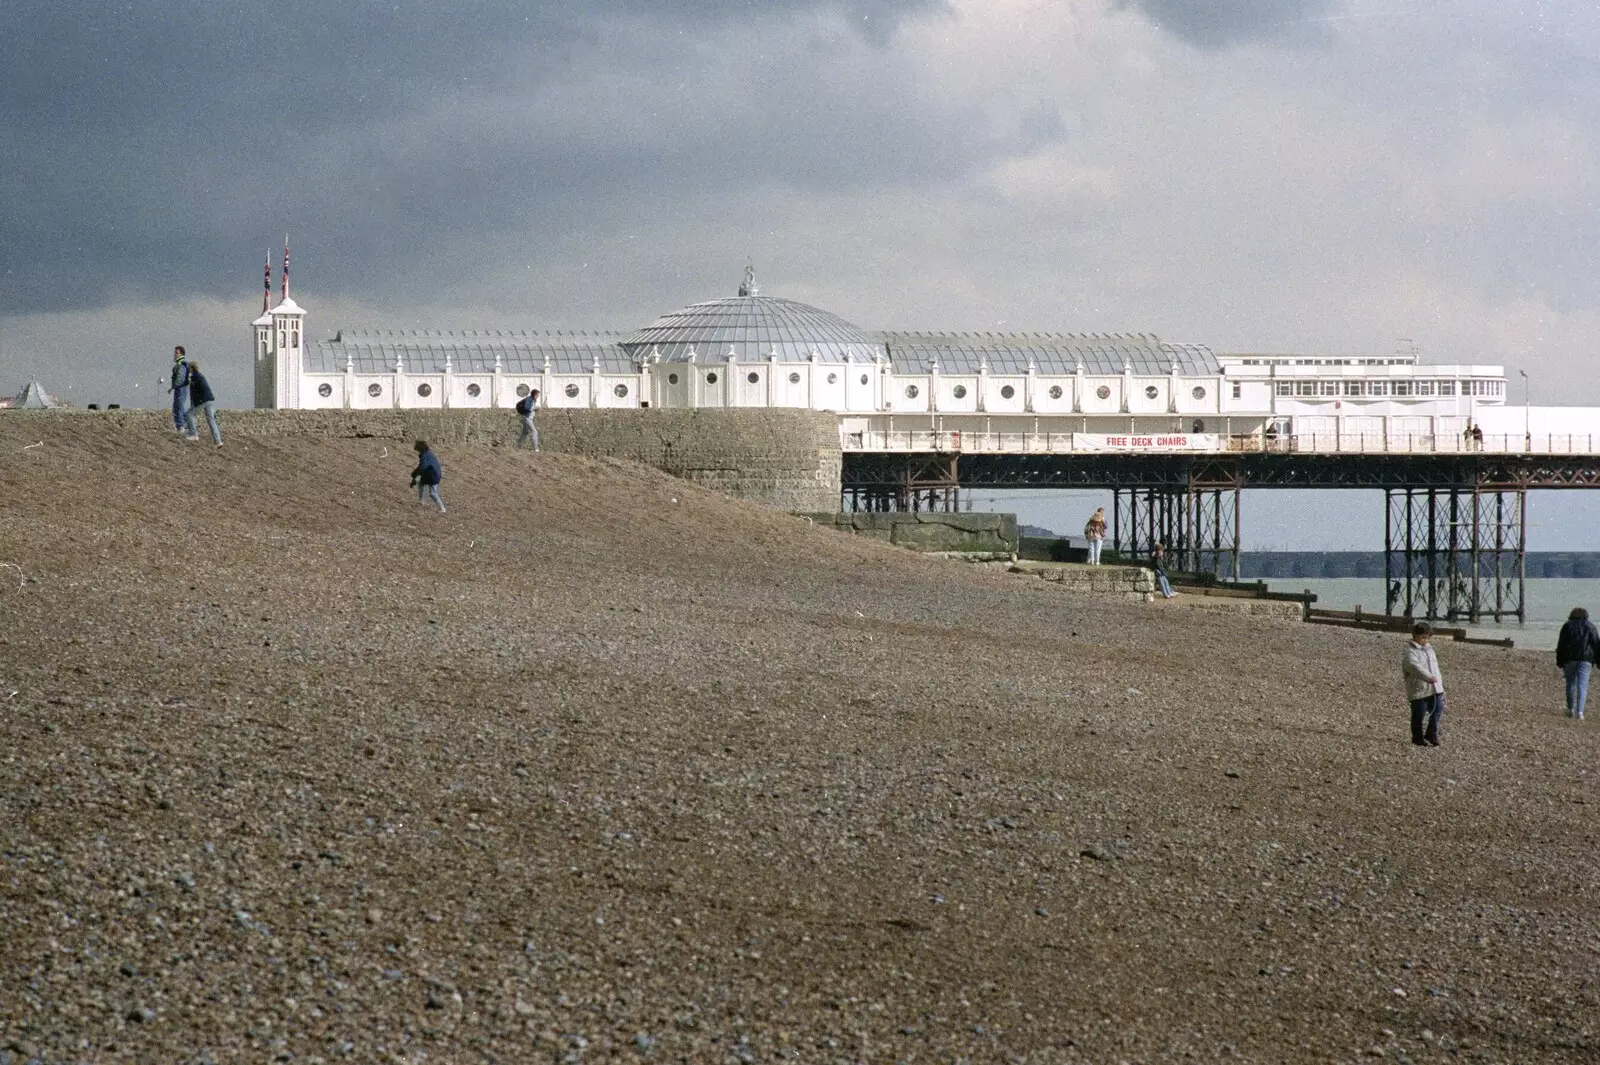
(286, 266)
(266, 284)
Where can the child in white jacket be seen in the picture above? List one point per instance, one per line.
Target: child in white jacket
(1419, 668)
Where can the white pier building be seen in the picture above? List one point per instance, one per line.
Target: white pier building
(919, 391)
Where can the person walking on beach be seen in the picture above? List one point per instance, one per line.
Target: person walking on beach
(1576, 649)
(1419, 669)
(526, 407)
(201, 398)
(1094, 532)
(179, 387)
(427, 475)
(1158, 562)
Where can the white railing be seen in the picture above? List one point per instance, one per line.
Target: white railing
(1028, 443)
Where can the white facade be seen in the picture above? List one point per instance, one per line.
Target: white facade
(883, 383)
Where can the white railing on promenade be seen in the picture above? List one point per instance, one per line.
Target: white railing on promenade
(1028, 443)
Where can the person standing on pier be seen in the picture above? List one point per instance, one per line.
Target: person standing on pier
(1419, 669)
(1576, 649)
(1094, 533)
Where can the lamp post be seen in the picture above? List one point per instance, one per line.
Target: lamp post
(1527, 412)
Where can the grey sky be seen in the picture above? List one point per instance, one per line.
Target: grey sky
(1249, 174)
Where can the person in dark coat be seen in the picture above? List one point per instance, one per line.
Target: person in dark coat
(527, 406)
(427, 475)
(202, 398)
(1576, 650)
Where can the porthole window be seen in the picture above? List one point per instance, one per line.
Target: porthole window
(1103, 392)
(1006, 392)
(960, 391)
(911, 391)
(672, 378)
(424, 390)
(621, 391)
(833, 379)
(794, 379)
(1151, 391)
(1199, 392)
(1055, 391)
(374, 389)
(522, 390)
(572, 391)
(753, 377)
(711, 378)
(474, 391)
(865, 379)
(324, 390)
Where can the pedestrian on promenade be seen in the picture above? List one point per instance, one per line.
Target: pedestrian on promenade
(426, 477)
(1576, 651)
(1419, 669)
(1477, 437)
(1094, 532)
(526, 407)
(1158, 561)
(179, 387)
(201, 398)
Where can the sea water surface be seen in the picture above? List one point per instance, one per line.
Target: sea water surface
(1549, 601)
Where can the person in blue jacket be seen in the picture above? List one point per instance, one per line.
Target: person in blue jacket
(180, 391)
(201, 398)
(1576, 650)
(427, 475)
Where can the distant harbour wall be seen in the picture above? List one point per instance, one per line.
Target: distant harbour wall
(786, 459)
(1326, 565)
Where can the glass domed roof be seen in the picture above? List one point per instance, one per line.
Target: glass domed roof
(753, 328)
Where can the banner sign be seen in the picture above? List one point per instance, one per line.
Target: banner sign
(1147, 442)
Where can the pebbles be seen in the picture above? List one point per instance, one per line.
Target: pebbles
(699, 782)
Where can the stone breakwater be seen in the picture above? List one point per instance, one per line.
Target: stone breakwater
(786, 459)
(975, 536)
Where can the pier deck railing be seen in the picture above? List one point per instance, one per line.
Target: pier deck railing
(1029, 443)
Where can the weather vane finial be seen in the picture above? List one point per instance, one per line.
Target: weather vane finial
(749, 287)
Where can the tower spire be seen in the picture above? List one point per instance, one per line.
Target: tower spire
(286, 266)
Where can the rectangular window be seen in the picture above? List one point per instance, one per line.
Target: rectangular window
(1330, 388)
(1238, 390)
(1424, 388)
(1447, 388)
(1377, 388)
(1305, 388)
(1352, 388)
(1402, 388)
(1285, 388)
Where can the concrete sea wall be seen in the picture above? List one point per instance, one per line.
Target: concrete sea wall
(980, 535)
(787, 459)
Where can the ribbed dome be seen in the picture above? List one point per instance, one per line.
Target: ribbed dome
(753, 328)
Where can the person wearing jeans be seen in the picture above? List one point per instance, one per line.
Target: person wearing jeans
(1419, 669)
(1576, 649)
(1158, 559)
(526, 407)
(180, 391)
(201, 398)
(427, 475)
(1094, 534)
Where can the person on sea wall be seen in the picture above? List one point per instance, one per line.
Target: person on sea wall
(426, 477)
(179, 387)
(526, 406)
(201, 398)
(1576, 650)
(1094, 533)
(1419, 669)
(1158, 562)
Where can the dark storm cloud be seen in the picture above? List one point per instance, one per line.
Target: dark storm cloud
(143, 143)
(1219, 23)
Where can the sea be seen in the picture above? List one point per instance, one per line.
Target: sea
(1549, 601)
